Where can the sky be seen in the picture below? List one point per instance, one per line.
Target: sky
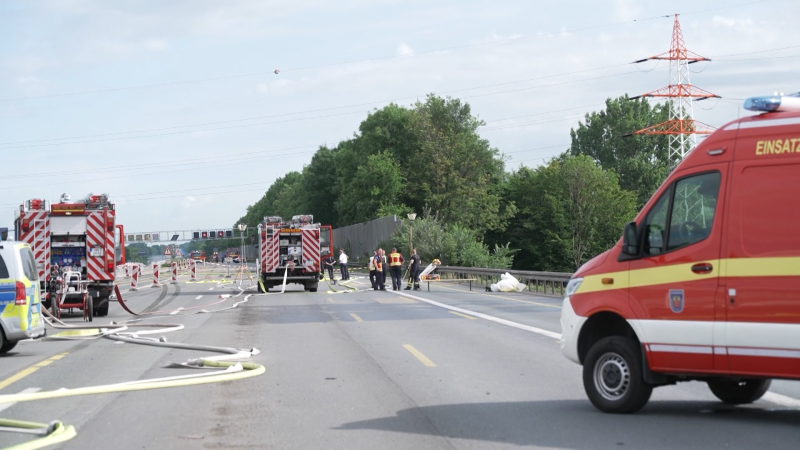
(174, 108)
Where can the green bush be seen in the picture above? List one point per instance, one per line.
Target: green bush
(454, 245)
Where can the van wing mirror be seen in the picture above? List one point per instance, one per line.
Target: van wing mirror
(630, 245)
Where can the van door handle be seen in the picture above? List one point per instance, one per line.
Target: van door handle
(702, 268)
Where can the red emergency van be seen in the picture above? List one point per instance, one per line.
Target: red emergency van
(705, 283)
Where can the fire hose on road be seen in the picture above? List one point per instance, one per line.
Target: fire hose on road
(227, 366)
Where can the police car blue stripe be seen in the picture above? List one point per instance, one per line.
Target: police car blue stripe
(8, 292)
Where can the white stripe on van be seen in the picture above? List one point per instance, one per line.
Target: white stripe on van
(764, 123)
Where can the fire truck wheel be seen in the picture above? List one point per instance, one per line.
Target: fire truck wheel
(312, 287)
(89, 306)
(739, 392)
(102, 310)
(613, 377)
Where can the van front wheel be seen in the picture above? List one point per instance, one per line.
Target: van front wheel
(613, 377)
(739, 392)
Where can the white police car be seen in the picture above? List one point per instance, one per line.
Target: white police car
(20, 302)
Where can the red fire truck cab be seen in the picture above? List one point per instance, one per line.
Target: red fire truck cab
(705, 283)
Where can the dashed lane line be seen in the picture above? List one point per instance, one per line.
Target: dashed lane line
(418, 354)
(355, 316)
(198, 297)
(509, 323)
(463, 315)
(29, 370)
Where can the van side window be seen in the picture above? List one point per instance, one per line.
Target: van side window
(693, 209)
(3, 268)
(28, 264)
(655, 225)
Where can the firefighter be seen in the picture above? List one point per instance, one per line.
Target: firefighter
(379, 271)
(328, 263)
(396, 268)
(413, 269)
(343, 265)
(372, 269)
(384, 264)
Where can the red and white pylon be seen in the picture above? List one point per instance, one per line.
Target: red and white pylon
(135, 278)
(681, 127)
(193, 270)
(174, 267)
(155, 275)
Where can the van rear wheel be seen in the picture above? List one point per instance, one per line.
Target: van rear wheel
(739, 392)
(613, 378)
(5, 344)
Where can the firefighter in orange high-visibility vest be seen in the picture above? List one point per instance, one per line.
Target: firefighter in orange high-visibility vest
(379, 265)
(396, 268)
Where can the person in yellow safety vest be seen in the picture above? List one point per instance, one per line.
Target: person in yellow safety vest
(396, 267)
(379, 267)
(372, 269)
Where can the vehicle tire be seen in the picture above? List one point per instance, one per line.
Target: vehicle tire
(8, 346)
(102, 310)
(5, 344)
(613, 376)
(89, 306)
(739, 392)
(312, 286)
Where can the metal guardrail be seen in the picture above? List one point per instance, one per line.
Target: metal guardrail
(550, 283)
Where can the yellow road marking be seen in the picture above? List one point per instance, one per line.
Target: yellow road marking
(422, 358)
(462, 315)
(25, 372)
(358, 319)
(503, 297)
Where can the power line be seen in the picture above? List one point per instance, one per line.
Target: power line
(306, 111)
(183, 162)
(317, 66)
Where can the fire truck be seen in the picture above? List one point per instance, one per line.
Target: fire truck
(79, 235)
(294, 249)
(199, 255)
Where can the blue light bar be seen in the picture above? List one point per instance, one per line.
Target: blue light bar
(765, 103)
(770, 103)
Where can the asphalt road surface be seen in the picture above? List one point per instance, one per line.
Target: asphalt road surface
(364, 369)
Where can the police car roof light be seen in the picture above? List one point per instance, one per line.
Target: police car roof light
(774, 103)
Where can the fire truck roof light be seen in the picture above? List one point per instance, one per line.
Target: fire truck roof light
(773, 103)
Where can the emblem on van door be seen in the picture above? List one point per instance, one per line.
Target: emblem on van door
(676, 300)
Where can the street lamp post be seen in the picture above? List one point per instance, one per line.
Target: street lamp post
(411, 217)
(242, 228)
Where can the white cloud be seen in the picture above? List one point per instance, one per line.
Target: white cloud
(28, 80)
(403, 49)
(738, 24)
(156, 44)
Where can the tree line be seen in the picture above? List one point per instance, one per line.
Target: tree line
(429, 158)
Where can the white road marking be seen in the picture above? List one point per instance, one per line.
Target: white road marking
(198, 297)
(782, 400)
(4, 406)
(211, 289)
(176, 311)
(509, 323)
(771, 397)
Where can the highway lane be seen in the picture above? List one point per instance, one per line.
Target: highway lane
(372, 369)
